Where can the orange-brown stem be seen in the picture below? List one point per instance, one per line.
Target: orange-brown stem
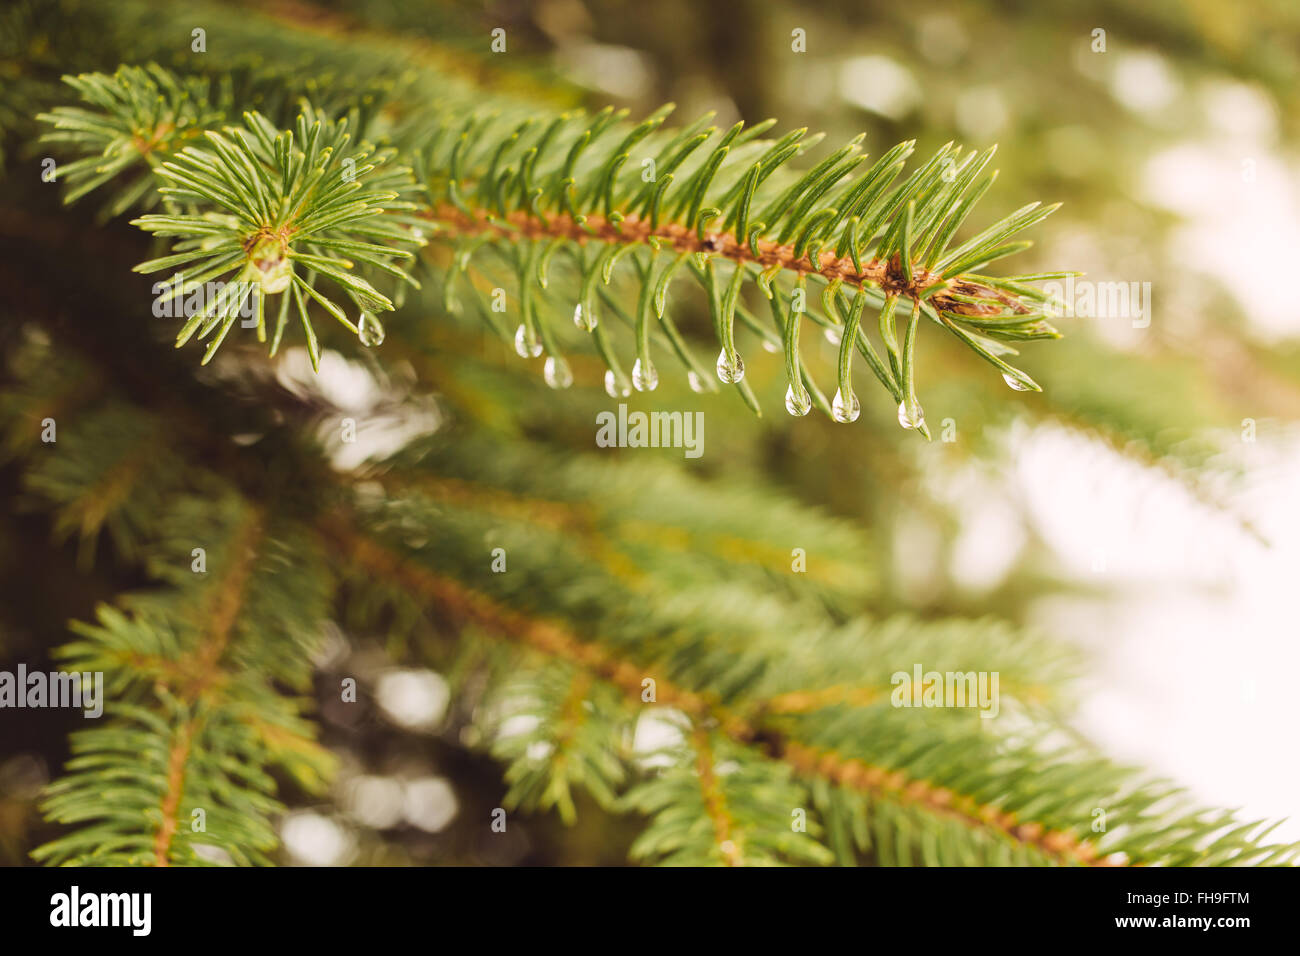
(201, 667)
(463, 605)
(886, 276)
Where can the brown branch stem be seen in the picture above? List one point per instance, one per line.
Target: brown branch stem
(888, 277)
(466, 606)
(202, 667)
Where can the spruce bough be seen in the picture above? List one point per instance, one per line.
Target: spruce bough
(302, 216)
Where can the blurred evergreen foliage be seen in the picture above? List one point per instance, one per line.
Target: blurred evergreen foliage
(771, 688)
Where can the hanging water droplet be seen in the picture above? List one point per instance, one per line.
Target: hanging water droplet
(1015, 383)
(730, 371)
(845, 409)
(906, 420)
(611, 386)
(557, 373)
(644, 376)
(770, 346)
(695, 382)
(369, 330)
(833, 334)
(522, 347)
(797, 405)
(582, 320)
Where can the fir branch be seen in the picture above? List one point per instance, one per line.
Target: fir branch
(571, 740)
(644, 526)
(118, 488)
(1064, 784)
(263, 205)
(895, 787)
(723, 804)
(886, 244)
(460, 604)
(671, 238)
(457, 603)
(145, 115)
(190, 728)
(177, 760)
(294, 207)
(910, 795)
(715, 801)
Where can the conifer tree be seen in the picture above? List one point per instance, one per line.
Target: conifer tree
(269, 232)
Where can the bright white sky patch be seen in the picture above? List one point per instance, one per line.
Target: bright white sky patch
(1195, 664)
(617, 70)
(879, 84)
(1241, 200)
(1143, 82)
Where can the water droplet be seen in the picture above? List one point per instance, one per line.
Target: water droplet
(695, 382)
(770, 346)
(370, 330)
(644, 376)
(557, 373)
(611, 386)
(730, 372)
(833, 334)
(522, 346)
(906, 420)
(845, 409)
(1015, 383)
(797, 405)
(583, 321)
